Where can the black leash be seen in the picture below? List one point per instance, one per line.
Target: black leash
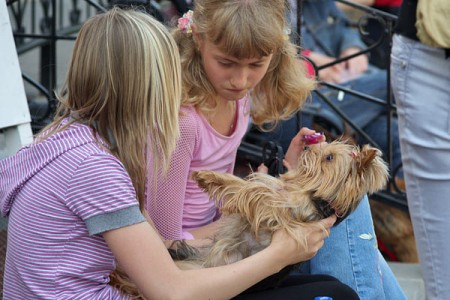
(273, 156)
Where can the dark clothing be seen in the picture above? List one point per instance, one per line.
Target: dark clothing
(325, 29)
(379, 56)
(304, 287)
(406, 23)
(407, 20)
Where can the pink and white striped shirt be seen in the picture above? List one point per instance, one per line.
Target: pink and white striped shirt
(59, 196)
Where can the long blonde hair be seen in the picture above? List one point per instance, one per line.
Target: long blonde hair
(124, 81)
(246, 29)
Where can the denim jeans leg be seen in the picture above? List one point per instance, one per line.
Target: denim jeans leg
(351, 254)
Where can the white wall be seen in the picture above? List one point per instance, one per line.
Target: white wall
(14, 114)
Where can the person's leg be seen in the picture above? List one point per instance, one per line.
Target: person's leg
(420, 81)
(351, 255)
(304, 287)
(360, 111)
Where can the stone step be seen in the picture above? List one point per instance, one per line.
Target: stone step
(410, 279)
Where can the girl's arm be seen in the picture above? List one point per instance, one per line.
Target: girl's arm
(166, 193)
(169, 243)
(205, 233)
(139, 250)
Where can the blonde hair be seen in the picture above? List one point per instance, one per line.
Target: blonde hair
(124, 80)
(247, 29)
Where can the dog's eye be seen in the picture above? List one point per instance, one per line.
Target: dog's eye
(329, 157)
(306, 148)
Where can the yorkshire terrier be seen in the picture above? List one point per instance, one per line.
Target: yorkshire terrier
(329, 179)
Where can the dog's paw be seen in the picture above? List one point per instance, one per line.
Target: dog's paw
(203, 178)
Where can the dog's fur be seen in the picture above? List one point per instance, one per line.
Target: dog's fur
(394, 229)
(330, 178)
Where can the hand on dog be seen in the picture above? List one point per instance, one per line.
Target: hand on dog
(314, 234)
(297, 145)
(262, 168)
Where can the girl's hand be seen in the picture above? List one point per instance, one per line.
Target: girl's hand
(296, 147)
(357, 65)
(262, 169)
(332, 73)
(312, 236)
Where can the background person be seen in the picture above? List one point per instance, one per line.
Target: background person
(420, 68)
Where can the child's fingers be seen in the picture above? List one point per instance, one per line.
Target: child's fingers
(305, 131)
(323, 138)
(263, 169)
(329, 222)
(287, 165)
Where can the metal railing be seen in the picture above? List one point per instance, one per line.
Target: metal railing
(386, 22)
(41, 24)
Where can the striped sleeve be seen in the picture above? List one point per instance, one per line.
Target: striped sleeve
(100, 191)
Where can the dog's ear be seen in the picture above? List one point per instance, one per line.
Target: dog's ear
(366, 156)
(375, 169)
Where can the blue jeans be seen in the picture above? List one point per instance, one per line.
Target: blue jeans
(421, 84)
(351, 255)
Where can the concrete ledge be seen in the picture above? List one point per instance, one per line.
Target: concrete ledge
(410, 279)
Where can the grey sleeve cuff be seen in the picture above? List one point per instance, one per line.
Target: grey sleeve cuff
(117, 219)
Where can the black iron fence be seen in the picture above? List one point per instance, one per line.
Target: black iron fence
(41, 24)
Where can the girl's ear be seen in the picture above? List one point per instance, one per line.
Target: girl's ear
(194, 28)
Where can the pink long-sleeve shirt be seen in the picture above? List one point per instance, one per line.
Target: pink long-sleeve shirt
(175, 203)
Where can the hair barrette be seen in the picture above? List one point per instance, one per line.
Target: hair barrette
(184, 23)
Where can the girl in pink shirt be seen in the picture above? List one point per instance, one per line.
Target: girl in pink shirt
(226, 78)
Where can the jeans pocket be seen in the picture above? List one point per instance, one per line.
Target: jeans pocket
(398, 68)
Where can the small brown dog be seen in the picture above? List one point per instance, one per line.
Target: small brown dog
(329, 179)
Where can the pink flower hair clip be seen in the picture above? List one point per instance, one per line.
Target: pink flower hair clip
(184, 23)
